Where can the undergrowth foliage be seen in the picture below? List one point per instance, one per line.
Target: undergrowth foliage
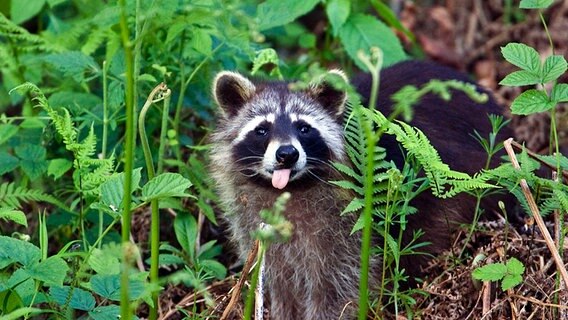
(62, 135)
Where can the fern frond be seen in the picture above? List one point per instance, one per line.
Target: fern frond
(13, 197)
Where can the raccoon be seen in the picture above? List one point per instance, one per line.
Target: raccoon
(271, 139)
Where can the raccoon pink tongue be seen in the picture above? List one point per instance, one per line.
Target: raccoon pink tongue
(280, 178)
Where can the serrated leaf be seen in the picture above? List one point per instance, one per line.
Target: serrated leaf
(106, 286)
(355, 36)
(73, 64)
(58, 167)
(274, 13)
(559, 93)
(111, 312)
(166, 185)
(14, 215)
(8, 162)
(263, 57)
(535, 4)
(7, 131)
(531, 101)
(52, 271)
(21, 11)
(104, 262)
(14, 250)
(169, 259)
(520, 78)
(75, 102)
(553, 68)
(337, 12)
(514, 266)
(522, 56)
(511, 280)
(355, 205)
(201, 41)
(112, 190)
(32, 161)
(80, 299)
(490, 272)
(218, 270)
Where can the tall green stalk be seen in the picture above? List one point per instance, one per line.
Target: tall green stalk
(125, 311)
(372, 140)
(163, 92)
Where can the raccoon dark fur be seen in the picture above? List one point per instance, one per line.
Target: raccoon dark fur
(270, 139)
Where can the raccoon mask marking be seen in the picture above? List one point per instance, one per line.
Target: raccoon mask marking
(277, 135)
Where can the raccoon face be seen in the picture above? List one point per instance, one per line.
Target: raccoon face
(278, 135)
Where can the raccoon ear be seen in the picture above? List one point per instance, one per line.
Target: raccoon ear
(231, 91)
(329, 91)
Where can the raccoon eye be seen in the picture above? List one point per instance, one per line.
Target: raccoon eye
(260, 131)
(305, 129)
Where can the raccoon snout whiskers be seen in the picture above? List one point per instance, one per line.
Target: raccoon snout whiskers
(287, 156)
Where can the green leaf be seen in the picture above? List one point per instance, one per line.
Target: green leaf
(531, 101)
(33, 161)
(490, 272)
(214, 267)
(264, 57)
(9, 301)
(8, 162)
(52, 271)
(58, 167)
(511, 280)
(559, 93)
(105, 261)
(14, 250)
(111, 312)
(535, 4)
(14, 215)
(514, 266)
(274, 13)
(23, 312)
(166, 185)
(73, 64)
(185, 227)
(21, 11)
(53, 3)
(7, 131)
(554, 67)
(112, 190)
(80, 299)
(522, 56)
(520, 78)
(355, 205)
(337, 12)
(355, 36)
(106, 286)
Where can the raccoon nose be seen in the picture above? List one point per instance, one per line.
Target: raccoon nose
(287, 155)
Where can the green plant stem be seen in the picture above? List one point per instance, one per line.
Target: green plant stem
(155, 216)
(249, 306)
(546, 30)
(125, 311)
(163, 132)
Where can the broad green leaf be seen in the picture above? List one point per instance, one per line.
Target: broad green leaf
(169, 260)
(514, 266)
(14, 250)
(560, 92)
(7, 131)
(104, 261)
(490, 272)
(33, 161)
(390, 18)
(58, 167)
(53, 3)
(266, 56)
(185, 227)
(520, 78)
(73, 64)
(14, 215)
(106, 286)
(80, 299)
(337, 12)
(111, 312)
(531, 101)
(274, 13)
(21, 11)
(24, 312)
(112, 190)
(355, 36)
(76, 102)
(554, 67)
(166, 185)
(52, 271)
(535, 4)
(511, 280)
(522, 56)
(201, 41)
(8, 162)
